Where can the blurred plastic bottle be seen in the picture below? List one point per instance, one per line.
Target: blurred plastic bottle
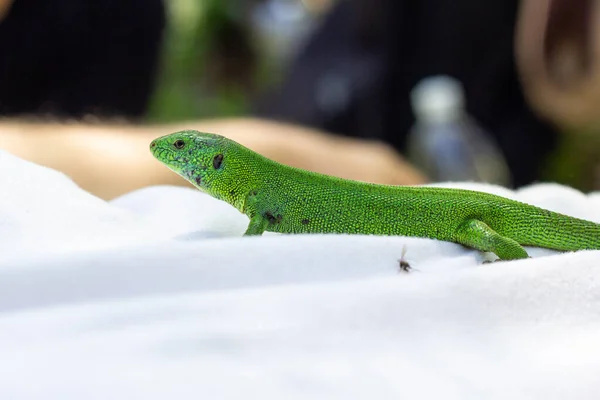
(445, 142)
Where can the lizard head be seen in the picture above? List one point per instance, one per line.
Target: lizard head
(198, 157)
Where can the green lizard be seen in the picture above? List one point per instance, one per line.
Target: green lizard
(280, 198)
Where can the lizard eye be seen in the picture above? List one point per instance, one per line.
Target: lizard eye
(179, 144)
(217, 161)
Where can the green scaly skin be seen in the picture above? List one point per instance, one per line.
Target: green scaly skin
(279, 198)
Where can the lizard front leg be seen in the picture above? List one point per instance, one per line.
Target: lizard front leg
(259, 222)
(263, 215)
(257, 226)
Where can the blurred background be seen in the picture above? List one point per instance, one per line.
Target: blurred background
(506, 92)
(219, 55)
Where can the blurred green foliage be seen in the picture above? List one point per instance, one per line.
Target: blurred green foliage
(215, 60)
(576, 160)
(183, 90)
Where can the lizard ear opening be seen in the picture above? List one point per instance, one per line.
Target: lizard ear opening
(217, 161)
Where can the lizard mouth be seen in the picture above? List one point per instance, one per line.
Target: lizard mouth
(557, 44)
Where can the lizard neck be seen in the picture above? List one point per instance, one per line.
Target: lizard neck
(244, 173)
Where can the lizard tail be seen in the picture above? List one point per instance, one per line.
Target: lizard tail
(558, 231)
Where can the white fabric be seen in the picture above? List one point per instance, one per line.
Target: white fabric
(156, 295)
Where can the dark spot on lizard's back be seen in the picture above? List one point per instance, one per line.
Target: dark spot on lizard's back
(198, 180)
(232, 192)
(305, 221)
(273, 219)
